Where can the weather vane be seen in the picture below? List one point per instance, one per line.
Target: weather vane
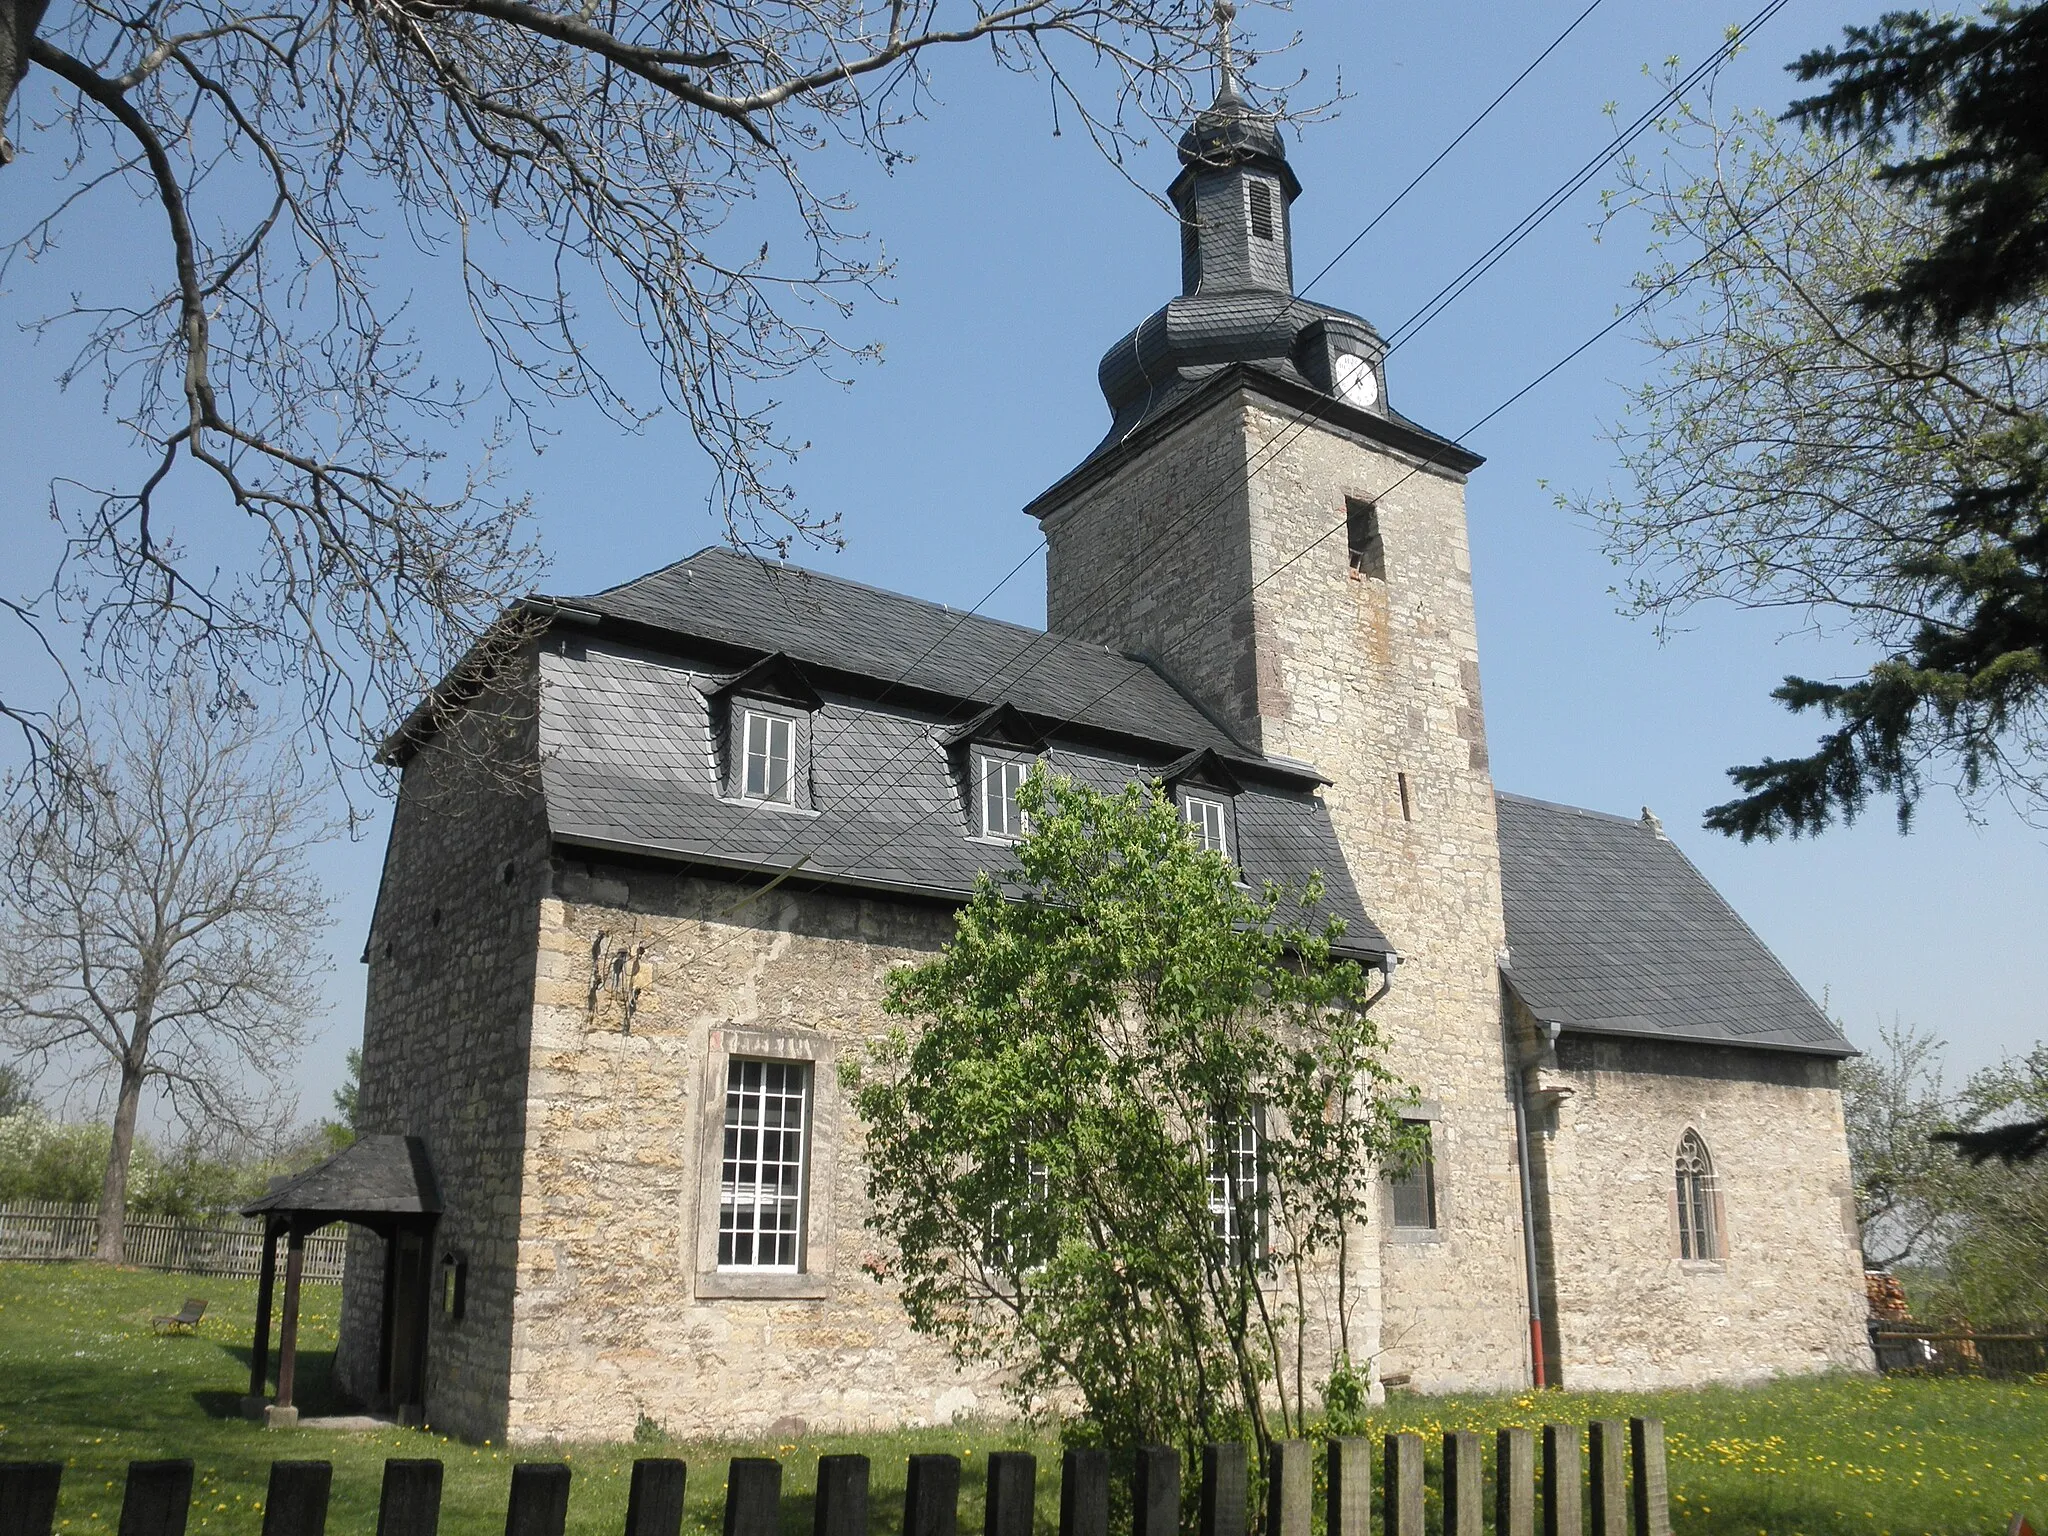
(1225, 13)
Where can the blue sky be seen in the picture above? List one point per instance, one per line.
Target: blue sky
(1021, 256)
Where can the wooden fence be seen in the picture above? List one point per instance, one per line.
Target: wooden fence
(1621, 1487)
(1999, 1353)
(53, 1232)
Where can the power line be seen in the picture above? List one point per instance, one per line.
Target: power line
(1295, 428)
(1648, 298)
(1372, 223)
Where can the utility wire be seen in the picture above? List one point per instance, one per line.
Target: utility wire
(1298, 426)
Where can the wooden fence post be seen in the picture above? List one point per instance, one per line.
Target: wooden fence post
(1564, 1509)
(654, 1504)
(1289, 1488)
(410, 1503)
(539, 1505)
(1347, 1494)
(1514, 1483)
(1011, 1494)
(157, 1499)
(753, 1496)
(1401, 1485)
(28, 1496)
(1084, 1493)
(1155, 1491)
(296, 1504)
(1652, 1477)
(1607, 1443)
(1225, 1488)
(1464, 1485)
(841, 1507)
(931, 1497)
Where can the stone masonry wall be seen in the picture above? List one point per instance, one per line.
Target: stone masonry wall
(622, 1311)
(1624, 1309)
(445, 1026)
(1241, 586)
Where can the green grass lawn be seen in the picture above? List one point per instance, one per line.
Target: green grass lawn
(83, 1379)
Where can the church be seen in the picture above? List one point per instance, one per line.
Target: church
(644, 888)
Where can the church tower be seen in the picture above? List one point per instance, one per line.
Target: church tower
(1292, 551)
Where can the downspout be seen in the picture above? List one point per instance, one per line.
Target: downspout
(1547, 1036)
(1529, 1235)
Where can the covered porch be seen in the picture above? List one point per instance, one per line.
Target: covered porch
(385, 1184)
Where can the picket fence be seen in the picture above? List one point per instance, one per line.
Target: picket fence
(1621, 1488)
(55, 1232)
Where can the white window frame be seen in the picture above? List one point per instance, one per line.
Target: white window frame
(1209, 817)
(751, 1082)
(1237, 1160)
(1000, 767)
(769, 723)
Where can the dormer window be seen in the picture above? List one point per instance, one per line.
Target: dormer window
(761, 731)
(768, 768)
(1206, 816)
(998, 777)
(1262, 209)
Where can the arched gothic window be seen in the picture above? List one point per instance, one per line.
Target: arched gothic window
(1699, 1236)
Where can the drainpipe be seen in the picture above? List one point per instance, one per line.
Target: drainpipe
(1529, 1236)
(1547, 1035)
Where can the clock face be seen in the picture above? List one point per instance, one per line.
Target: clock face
(1356, 382)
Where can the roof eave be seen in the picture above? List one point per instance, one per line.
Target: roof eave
(1434, 451)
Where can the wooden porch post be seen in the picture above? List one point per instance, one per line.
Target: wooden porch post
(282, 1414)
(259, 1350)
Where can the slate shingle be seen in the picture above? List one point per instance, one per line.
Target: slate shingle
(1613, 931)
(628, 763)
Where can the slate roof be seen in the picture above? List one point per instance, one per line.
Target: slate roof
(858, 631)
(372, 1176)
(630, 762)
(1613, 931)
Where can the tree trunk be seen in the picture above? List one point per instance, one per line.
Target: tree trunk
(19, 20)
(113, 1248)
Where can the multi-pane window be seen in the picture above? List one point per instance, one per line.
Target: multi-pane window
(1234, 1177)
(1262, 209)
(1019, 1241)
(1698, 1235)
(1411, 1187)
(1001, 778)
(769, 748)
(761, 1183)
(1204, 814)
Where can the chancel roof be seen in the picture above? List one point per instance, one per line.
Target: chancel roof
(631, 759)
(1611, 930)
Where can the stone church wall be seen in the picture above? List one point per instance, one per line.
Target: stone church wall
(445, 1027)
(622, 1311)
(1242, 588)
(1624, 1310)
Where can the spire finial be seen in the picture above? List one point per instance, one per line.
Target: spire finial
(1225, 13)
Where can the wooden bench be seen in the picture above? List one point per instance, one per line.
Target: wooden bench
(184, 1320)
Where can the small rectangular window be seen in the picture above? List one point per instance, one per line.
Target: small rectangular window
(1235, 1203)
(770, 750)
(1262, 209)
(1413, 1187)
(1001, 778)
(761, 1181)
(1368, 554)
(1407, 796)
(1205, 816)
